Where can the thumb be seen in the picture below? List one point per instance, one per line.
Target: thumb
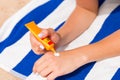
(43, 34)
(54, 36)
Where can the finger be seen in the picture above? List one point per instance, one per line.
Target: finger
(43, 34)
(41, 67)
(37, 50)
(46, 71)
(50, 31)
(34, 41)
(54, 36)
(36, 45)
(39, 63)
(52, 76)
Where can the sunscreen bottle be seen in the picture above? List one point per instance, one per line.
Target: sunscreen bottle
(35, 30)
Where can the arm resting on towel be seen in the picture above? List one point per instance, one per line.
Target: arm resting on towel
(70, 60)
(81, 18)
(106, 48)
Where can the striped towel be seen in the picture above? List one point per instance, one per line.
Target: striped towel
(17, 57)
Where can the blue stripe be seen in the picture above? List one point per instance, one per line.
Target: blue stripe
(100, 2)
(81, 73)
(57, 28)
(117, 75)
(78, 74)
(110, 25)
(37, 15)
(25, 66)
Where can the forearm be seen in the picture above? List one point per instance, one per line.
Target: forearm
(106, 48)
(77, 23)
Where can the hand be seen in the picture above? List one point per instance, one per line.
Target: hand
(51, 66)
(37, 47)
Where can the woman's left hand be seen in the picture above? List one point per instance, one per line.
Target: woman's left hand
(51, 66)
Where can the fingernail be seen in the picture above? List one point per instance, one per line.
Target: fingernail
(42, 47)
(40, 35)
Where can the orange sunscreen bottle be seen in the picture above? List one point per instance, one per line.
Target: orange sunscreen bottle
(35, 30)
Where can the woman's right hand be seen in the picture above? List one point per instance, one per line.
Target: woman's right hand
(37, 46)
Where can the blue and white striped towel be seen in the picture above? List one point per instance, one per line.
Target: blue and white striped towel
(17, 57)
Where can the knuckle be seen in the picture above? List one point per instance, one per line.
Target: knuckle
(51, 60)
(49, 55)
(36, 63)
(34, 50)
(54, 38)
(45, 32)
(37, 50)
(42, 74)
(51, 30)
(56, 68)
(59, 71)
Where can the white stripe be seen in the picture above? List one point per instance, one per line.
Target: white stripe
(25, 40)
(11, 22)
(18, 75)
(59, 15)
(12, 55)
(35, 77)
(91, 32)
(104, 70)
(53, 20)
